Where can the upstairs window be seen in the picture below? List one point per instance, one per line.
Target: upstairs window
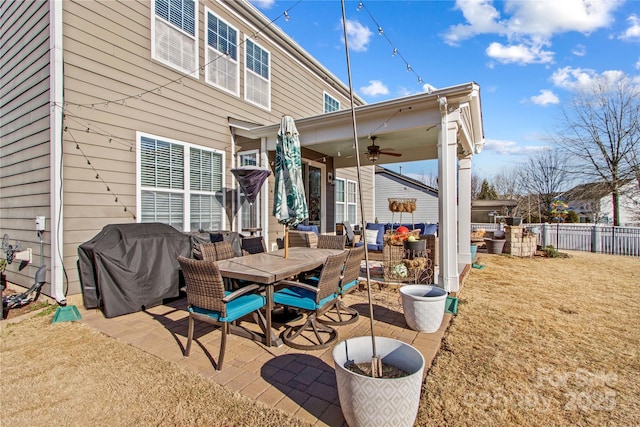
(330, 103)
(257, 89)
(173, 33)
(221, 55)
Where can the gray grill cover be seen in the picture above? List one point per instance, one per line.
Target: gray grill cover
(128, 267)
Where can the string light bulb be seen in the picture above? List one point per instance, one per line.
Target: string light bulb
(380, 32)
(360, 6)
(395, 52)
(420, 80)
(286, 16)
(408, 68)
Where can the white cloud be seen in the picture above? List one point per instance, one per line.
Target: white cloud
(546, 97)
(633, 32)
(375, 88)
(528, 26)
(510, 148)
(578, 78)
(359, 35)
(579, 50)
(638, 64)
(264, 4)
(519, 54)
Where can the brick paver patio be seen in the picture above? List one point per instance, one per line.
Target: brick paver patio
(301, 383)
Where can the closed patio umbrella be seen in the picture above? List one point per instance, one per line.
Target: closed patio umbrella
(289, 202)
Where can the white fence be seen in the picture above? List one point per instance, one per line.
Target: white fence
(604, 239)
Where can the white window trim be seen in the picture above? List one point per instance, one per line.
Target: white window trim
(342, 204)
(208, 57)
(346, 202)
(247, 71)
(325, 94)
(239, 154)
(193, 73)
(187, 178)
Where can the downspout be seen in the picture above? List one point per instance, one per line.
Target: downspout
(56, 94)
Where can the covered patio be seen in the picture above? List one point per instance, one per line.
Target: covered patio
(445, 124)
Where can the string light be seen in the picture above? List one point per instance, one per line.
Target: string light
(286, 16)
(396, 52)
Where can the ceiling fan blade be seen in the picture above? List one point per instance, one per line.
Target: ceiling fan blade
(390, 154)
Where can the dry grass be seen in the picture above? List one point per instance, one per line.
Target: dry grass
(71, 375)
(536, 342)
(541, 341)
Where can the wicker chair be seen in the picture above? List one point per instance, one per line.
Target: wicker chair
(348, 283)
(327, 241)
(316, 300)
(209, 302)
(302, 239)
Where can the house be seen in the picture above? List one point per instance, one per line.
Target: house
(491, 211)
(390, 184)
(116, 112)
(593, 203)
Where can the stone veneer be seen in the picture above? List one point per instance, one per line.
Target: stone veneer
(517, 243)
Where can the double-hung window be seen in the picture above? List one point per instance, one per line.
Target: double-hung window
(330, 103)
(180, 184)
(257, 86)
(346, 196)
(221, 55)
(174, 32)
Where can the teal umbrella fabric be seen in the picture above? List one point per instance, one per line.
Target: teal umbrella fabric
(290, 205)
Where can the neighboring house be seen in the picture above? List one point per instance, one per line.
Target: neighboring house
(593, 202)
(136, 111)
(390, 184)
(491, 211)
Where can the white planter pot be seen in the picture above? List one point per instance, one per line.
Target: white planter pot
(368, 401)
(423, 306)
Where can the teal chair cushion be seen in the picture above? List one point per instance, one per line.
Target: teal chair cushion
(235, 309)
(348, 286)
(300, 298)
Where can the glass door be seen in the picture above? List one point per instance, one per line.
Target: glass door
(314, 192)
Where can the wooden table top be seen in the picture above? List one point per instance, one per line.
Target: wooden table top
(271, 267)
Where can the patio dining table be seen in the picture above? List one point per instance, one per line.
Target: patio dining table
(268, 268)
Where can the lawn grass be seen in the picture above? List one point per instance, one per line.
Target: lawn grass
(537, 341)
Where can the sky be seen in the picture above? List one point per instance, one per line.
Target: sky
(528, 56)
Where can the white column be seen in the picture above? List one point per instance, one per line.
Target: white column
(447, 198)
(464, 210)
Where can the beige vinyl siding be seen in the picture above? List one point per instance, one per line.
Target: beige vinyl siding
(107, 57)
(24, 129)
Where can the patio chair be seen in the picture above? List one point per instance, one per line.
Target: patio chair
(316, 300)
(209, 302)
(218, 251)
(302, 239)
(253, 245)
(328, 241)
(348, 283)
(348, 231)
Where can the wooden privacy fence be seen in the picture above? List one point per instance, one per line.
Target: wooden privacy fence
(597, 238)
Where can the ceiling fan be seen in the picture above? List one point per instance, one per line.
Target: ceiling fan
(374, 151)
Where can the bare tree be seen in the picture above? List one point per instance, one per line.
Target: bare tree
(544, 177)
(602, 133)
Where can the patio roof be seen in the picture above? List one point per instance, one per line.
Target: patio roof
(409, 126)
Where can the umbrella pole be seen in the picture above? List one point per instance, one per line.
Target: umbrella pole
(286, 241)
